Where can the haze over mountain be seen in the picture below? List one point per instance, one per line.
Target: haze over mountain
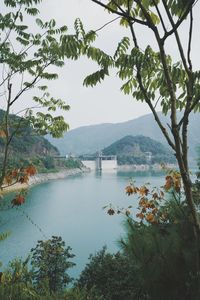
(89, 139)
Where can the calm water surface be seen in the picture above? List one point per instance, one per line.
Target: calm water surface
(71, 208)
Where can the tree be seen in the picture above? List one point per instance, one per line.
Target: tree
(163, 254)
(110, 275)
(50, 260)
(152, 76)
(28, 58)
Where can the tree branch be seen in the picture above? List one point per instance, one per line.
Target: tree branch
(107, 24)
(175, 32)
(147, 100)
(31, 84)
(180, 20)
(190, 41)
(123, 15)
(160, 16)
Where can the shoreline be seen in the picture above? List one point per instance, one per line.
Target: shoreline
(44, 177)
(146, 167)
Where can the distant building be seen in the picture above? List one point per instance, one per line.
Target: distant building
(148, 156)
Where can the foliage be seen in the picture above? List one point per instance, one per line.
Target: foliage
(73, 163)
(161, 246)
(150, 75)
(16, 282)
(163, 256)
(82, 294)
(131, 150)
(25, 141)
(109, 274)
(29, 58)
(50, 260)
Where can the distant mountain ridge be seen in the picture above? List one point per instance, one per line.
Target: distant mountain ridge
(89, 139)
(136, 150)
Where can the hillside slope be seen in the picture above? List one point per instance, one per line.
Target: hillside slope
(89, 139)
(25, 143)
(132, 150)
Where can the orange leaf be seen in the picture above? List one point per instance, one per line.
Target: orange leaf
(143, 202)
(143, 191)
(31, 170)
(168, 183)
(18, 200)
(140, 215)
(150, 217)
(177, 185)
(2, 134)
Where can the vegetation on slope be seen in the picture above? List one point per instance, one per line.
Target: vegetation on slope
(132, 150)
(27, 148)
(89, 139)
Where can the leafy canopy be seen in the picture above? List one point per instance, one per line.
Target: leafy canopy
(29, 58)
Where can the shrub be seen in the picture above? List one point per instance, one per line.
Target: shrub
(50, 260)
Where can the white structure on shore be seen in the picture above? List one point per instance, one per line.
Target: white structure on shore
(100, 162)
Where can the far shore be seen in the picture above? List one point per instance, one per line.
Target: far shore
(44, 177)
(146, 167)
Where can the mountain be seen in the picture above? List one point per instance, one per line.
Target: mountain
(89, 139)
(134, 150)
(25, 142)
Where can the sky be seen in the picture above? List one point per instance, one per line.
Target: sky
(104, 103)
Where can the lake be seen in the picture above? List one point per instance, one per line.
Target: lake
(72, 208)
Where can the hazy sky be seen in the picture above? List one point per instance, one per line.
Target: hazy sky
(105, 102)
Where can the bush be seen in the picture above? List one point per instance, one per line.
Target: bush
(164, 255)
(50, 260)
(17, 282)
(110, 275)
(73, 163)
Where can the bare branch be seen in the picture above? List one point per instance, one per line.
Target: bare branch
(119, 13)
(107, 24)
(160, 16)
(175, 32)
(180, 20)
(147, 100)
(157, 102)
(190, 41)
(35, 80)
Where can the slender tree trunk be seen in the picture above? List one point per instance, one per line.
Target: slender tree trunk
(187, 185)
(6, 148)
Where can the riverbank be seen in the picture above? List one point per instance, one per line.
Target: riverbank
(146, 167)
(44, 177)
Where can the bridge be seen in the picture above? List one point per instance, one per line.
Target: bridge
(99, 161)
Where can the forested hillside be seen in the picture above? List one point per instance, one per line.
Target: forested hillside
(132, 150)
(25, 142)
(89, 139)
